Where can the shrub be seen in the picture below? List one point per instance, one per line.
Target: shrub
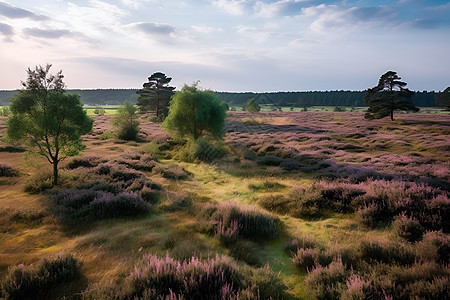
(276, 203)
(85, 162)
(227, 233)
(252, 223)
(246, 251)
(7, 170)
(202, 150)
(269, 160)
(40, 182)
(111, 177)
(34, 282)
(290, 164)
(387, 252)
(107, 135)
(328, 282)
(306, 242)
(305, 258)
(214, 278)
(408, 228)
(172, 172)
(74, 205)
(127, 127)
(137, 161)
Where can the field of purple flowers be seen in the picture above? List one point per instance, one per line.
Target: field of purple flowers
(295, 205)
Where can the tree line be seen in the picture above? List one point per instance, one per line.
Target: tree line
(286, 99)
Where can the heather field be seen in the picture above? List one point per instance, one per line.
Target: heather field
(291, 205)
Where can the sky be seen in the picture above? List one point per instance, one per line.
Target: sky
(228, 45)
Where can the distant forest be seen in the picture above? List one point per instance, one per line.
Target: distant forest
(291, 99)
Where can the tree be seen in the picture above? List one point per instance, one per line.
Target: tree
(443, 98)
(389, 95)
(155, 95)
(193, 112)
(46, 118)
(252, 106)
(126, 121)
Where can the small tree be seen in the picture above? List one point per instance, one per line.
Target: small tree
(389, 95)
(252, 106)
(126, 122)
(193, 112)
(155, 95)
(48, 119)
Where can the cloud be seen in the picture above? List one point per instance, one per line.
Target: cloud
(47, 33)
(234, 7)
(154, 28)
(5, 29)
(13, 12)
(160, 32)
(279, 8)
(136, 4)
(420, 24)
(331, 19)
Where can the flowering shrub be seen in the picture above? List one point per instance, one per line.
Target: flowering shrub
(327, 282)
(73, 205)
(33, 282)
(305, 259)
(408, 228)
(251, 222)
(214, 278)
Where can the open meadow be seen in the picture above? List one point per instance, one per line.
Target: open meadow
(303, 205)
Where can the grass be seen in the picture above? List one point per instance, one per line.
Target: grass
(111, 248)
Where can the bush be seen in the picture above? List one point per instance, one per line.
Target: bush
(85, 162)
(137, 161)
(328, 282)
(246, 251)
(269, 160)
(191, 279)
(34, 282)
(74, 205)
(127, 127)
(387, 252)
(408, 228)
(40, 182)
(214, 278)
(305, 258)
(172, 172)
(7, 170)
(202, 150)
(252, 223)
(111, 177)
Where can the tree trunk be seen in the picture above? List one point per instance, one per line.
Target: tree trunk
(392, 115)
(55, 173)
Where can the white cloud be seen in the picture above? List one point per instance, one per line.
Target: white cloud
(234, 7)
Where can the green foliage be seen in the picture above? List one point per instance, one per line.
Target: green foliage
(193, 112)
(99, 111)
(201, 149)
(252, 106)
(127, 127)
(4, 111)
(47, 119)
(34, 282)
(443, 98)
(389, 95)
(155, 95)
